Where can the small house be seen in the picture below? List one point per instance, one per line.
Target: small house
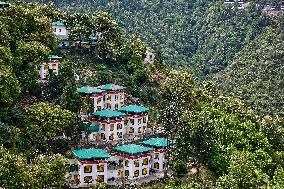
(135, 161)
(136, 119)
(4, 4)
(88, 167)
(150, 57)
(159, 156)
(109, 125)
(52, 64)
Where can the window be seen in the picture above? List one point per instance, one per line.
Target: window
(108, 97)
(126, 173)
(121, 104)
(99, 108)
(100, 178)
(103, 128)
(99, 100)
(46, 67)
(126, 163)
(54, 29)
(59, 30)
(156, 156)
(145, 161)
(144, 120)
(88, 169)
(144, 171)
(120, 173)
(139, 121)
(136, 163)
(116, 97)
(119, 126)
(108, 106)
(100, 168)
(111, 137)
(132, 121)
(121, 97)
(131, 130)
(119, 134)
(136, 173)
(54, 66)
(76, 178)
(94, 136)
(116, 106)
(156, 165)
(103, 136)
(139, 130)
(144, 128)
(88, 179)
(111, 127)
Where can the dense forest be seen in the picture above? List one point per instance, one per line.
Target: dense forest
(216, 86)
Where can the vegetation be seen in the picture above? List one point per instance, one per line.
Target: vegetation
(239, 146)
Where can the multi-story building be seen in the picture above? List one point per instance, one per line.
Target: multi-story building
(136, 119)
(88, 167)
(108, 125)
(135, 161)
(159, 156)
(53, 65)
(4, 4)
(61, 32)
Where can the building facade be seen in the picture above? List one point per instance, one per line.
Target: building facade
(53, 64)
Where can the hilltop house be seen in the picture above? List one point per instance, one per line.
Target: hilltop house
(107, 125)
(53, 65)
(136, 119)
(61, 32)
(150, 57)
(88, 167)
(231, 4)
(109, 96)
(4, 4)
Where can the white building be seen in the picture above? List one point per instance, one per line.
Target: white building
(150, 57)
(53, 65)
(61, 32)
(108, 125)
(136, 119)
(159, 156)
(135, 161)
(231, 4)
(109, 96)
(88, 167)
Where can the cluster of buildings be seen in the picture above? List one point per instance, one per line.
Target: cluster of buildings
(112, 120)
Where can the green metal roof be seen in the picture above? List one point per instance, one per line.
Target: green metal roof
(58, 23)
(157, 142)
(91, 153)
(111, 87)
(89, 90)
(132, 149)
(134, 109)
(54, 57)
(94, 128)
(108, 114)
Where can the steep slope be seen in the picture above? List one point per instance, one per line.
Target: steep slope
(256, 75)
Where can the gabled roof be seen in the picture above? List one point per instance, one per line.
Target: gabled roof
(132, 149)
(157, 142)
(59, 23)
(134, 109)
(91, 153)
(108, 114)
(56, 57)
(94, 128)
(89, 90)
(111, 87)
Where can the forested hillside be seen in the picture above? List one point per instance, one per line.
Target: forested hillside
(202, 35)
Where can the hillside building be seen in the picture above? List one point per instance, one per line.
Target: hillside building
(88, 167)
(136, 119)
(231, 4)
(61, 32)
(150, 57)
(52, 64)
(4, 5)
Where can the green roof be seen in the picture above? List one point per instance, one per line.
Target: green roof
(89, 90)
(54, 57)
(132, 149)
(111, 87)
(134, 109)
(108, 114)
(94, 128)
(58, 23)
(91, 153)
(157, 142)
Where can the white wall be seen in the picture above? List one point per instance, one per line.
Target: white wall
(59, 30)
